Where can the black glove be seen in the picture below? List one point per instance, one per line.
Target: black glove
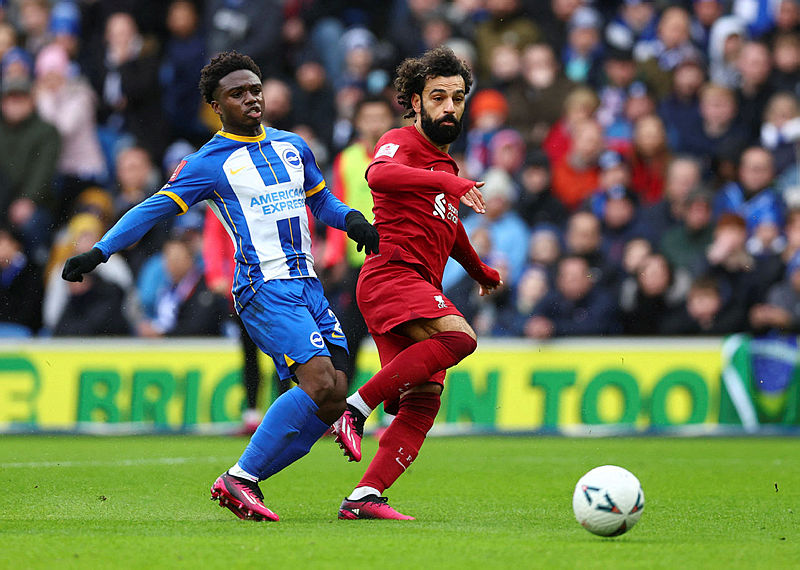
(82, 263)
(362, 232)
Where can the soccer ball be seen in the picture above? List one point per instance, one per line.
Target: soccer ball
(608, 500)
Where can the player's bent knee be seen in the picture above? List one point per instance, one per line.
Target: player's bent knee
(317, 378)
(457, 343)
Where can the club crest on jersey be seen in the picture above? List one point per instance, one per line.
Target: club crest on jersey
(316, 339)
(389, 149)
(291, 158)
(439, 299)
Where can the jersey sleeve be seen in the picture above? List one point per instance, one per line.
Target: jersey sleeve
(391, 169)
(314, 181)
(192, 181)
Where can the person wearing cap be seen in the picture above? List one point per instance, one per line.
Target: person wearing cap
(65, 26)
(619, 72)
(618, 209)
(29, 150)
(488, 114)
(583, 49)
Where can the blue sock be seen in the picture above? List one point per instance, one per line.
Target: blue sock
(314, 429)
(281, 425)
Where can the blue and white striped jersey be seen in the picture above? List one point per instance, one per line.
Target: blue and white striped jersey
(258, 187)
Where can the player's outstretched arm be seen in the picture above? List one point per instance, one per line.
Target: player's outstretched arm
(329, 209)
(128, 230)
(467, 257)
(396, 177)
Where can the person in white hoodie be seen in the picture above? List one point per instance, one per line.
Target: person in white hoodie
(727, 37)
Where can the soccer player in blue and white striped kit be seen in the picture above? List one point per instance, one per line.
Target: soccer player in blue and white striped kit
(258, 182)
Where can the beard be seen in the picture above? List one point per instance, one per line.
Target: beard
(439, 132)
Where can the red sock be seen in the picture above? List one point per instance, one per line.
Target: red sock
(416, 364)
(401, 441)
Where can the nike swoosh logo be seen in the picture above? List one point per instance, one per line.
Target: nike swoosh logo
(232, 172)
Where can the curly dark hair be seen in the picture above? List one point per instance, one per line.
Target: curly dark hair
(414, 72)
(219, 67)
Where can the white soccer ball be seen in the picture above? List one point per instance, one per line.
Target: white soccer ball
(608, 500)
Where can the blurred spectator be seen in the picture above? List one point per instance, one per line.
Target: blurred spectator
(651, 155)
(759, 16)
(407, 19)
(619, 74)
(705, 13)
(21, 288)
(743, 279)
(69, 103)
(536, 98)
(186, 307)
(532, 287)
(685, 244)
(704, 313)
(718, 136)
(752, 196)
(29, 149)
(639, 102)
(578, 306)
(577, 173)
(618, 209)
(504, 23)
(17, 64)
(277, 108)
(584, 237)
(342, 261)
(65, 28)
(505, 66)
(781, 309)
(780, 130)
(127, 80)
(683, 175)
(680, 109)
(614, 171)
(650, 296)
(786, 20)
(579, 106)
(184, 56)
(8, 38)
(582, 53)
(488, 111)
(252, 27)
(105, 303)
(754, 90)
(636, 23)
(34, 23)
(544, 249)
(507, 231)
(554, 22)
(728, 34)
(671, 47)
(536, 203)
(507, 152)
(316, 97)
(786, 63)
(137, 178)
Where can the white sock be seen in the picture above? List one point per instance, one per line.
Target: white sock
(237, 471)
(361, 492)
(358, 403)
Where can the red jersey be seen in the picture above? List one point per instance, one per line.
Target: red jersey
(416, 191)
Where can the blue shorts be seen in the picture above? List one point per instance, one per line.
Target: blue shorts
(290, 320)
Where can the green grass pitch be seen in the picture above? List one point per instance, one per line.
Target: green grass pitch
(482, 502)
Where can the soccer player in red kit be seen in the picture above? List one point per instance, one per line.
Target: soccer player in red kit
(418, 332)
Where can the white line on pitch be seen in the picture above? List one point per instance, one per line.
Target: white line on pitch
(117, 463)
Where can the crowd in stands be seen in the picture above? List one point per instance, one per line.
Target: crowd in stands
(640, 157)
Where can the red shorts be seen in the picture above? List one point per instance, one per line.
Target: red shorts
(394, 293)
(390, 345)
